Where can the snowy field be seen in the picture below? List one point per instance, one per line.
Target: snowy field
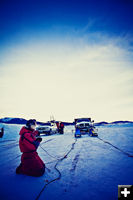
(92, 170)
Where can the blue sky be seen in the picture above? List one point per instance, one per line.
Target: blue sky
(67, 46)
(21, 19)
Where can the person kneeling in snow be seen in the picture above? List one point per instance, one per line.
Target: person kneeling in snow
(31, 164)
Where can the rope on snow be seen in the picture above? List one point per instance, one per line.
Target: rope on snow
(128, 154)
(55, 167)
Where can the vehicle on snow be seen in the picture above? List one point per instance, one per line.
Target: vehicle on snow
(47, 129)
(85, 126)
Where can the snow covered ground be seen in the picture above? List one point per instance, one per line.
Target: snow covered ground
(92, 170)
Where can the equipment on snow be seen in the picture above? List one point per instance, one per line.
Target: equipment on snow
(85, 126)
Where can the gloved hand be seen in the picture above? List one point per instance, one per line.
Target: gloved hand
(38, 134)
(39, 139)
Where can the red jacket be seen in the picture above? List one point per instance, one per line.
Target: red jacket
(31, 163)
(27, 141)
(61, 125)
(57, 124)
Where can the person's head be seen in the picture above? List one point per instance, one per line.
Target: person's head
(31, 124)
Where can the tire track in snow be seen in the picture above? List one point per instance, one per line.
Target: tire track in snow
(74, 163)
(72, 170)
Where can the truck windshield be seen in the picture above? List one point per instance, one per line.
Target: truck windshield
(87, 124)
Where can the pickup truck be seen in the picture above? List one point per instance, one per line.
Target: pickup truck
(85, 126)
(47, 129)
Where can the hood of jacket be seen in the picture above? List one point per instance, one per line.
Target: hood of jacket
(25, 130)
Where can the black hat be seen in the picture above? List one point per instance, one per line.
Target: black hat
(30, 122)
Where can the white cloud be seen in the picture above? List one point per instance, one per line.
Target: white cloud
(67, 80)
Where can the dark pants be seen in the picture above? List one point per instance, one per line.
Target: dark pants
(61, 130)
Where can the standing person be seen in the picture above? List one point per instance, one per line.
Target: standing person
(57, 124)
(61, 128)
(31, 164)
(1, 132)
